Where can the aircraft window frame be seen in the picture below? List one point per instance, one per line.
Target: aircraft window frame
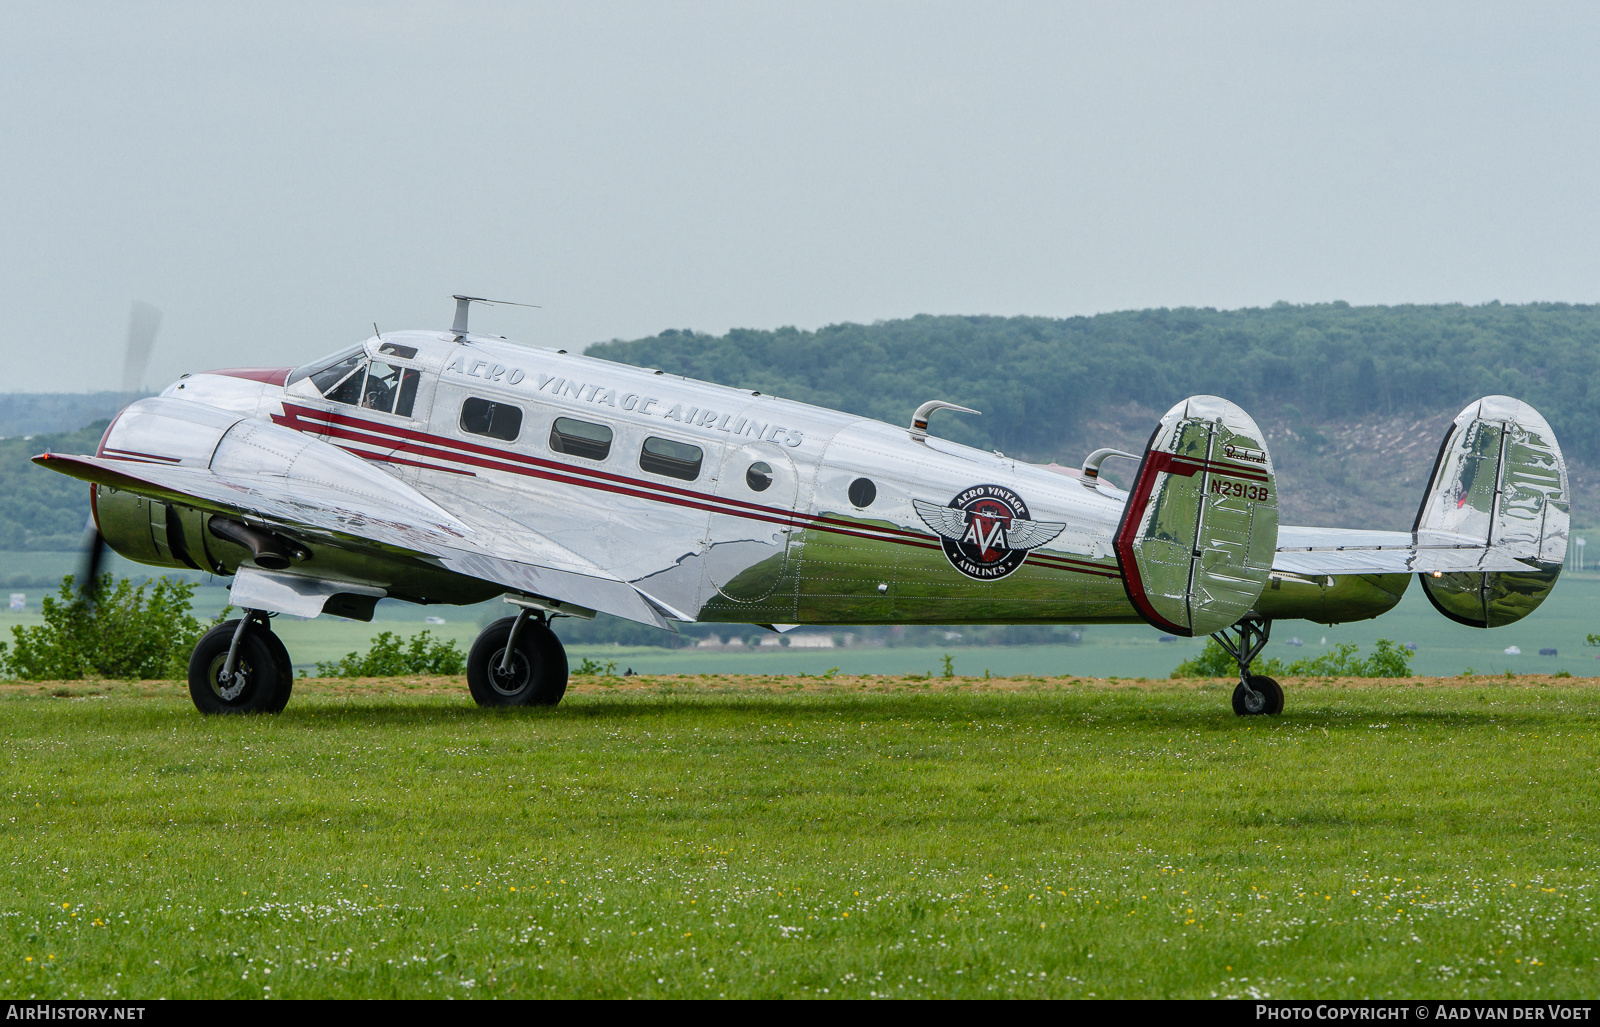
(339, 392)
(570, 443)
(495, 408)
(323, 364)
(669, 465)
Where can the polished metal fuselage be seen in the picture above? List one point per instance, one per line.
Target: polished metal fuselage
(774, 527)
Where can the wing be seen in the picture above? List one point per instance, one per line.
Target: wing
(945, 521)
(1032, 534)
(1321, 551)
(281, 479)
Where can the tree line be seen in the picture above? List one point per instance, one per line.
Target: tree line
(1038, 379)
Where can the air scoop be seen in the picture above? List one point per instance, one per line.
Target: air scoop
(919, 420)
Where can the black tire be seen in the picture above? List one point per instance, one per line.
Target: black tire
(538, 675)
(1268, 700)
(280, 656)
(258, 661)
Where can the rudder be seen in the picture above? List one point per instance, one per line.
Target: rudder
(1200, 528)
(1499, 476)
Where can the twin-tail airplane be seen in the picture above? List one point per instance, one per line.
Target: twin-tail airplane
(452, 467)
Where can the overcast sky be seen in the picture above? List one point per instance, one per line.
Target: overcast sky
(276, 177)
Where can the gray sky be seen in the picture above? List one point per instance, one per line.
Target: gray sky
(276, 177)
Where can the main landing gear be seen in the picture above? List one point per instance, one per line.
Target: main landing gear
(240, 666)
(518, 661)
(1257, 694)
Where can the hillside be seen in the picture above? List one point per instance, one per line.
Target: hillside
(1354, 399)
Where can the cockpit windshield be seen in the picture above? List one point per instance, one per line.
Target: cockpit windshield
(349, 377)
(345, 358)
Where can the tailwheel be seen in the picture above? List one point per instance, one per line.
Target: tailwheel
(1264, 697)
(1256, 694)
(517, 661)
(240, 666)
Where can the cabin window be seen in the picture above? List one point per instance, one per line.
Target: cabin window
(580, 438)
(759, 476)
(863, 492)
(394, 349)
(487, 417)
(673, 459)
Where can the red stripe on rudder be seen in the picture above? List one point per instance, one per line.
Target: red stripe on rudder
(1154, 463)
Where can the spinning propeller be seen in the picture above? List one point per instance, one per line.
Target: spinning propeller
(143, 321)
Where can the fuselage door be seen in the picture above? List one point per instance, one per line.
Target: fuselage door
(749, 531)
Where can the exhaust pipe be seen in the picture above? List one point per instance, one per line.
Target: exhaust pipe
(269, 551)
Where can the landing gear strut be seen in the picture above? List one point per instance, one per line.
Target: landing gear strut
(240, 666)
(1257, 694)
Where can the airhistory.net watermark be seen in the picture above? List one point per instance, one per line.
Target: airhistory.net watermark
(71, 1011)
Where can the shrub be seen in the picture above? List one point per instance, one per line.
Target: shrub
(596, 668)
(1388, 660)
(390, 656)
(1216, 662)
(130, 631)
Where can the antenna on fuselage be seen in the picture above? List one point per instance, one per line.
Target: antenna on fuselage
(459, 328)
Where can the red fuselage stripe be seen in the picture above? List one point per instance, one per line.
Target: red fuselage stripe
(399, 439)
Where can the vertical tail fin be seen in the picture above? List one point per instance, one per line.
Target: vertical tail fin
(1500, 477)
(1199, 532)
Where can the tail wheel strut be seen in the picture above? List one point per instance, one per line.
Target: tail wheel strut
(1256, 694)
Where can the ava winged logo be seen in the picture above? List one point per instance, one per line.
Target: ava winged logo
(986, 531)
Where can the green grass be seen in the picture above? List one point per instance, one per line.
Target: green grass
(1069, 839)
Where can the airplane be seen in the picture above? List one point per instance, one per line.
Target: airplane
(453, 467)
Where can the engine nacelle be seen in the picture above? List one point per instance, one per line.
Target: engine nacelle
(162, 534)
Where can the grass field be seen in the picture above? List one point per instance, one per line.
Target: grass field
(728, 836)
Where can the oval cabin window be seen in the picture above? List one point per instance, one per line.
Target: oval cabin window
(863, 492)
(486, 417)
(759, 476)
(580, 438)
(673, 459)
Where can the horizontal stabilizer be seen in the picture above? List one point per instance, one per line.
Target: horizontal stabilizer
(1312, 552)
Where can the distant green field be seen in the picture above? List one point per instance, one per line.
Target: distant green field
(1130, 651)
(686, 840)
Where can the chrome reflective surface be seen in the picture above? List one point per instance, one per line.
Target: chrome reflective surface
(1200, 532)
(1500, 477)
(766, 530)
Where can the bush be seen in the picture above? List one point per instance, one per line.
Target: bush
(1388, 660)
(390, 657)
(125, 634)
(1216, 662)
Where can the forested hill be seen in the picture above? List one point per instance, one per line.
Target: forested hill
(1355, 399)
